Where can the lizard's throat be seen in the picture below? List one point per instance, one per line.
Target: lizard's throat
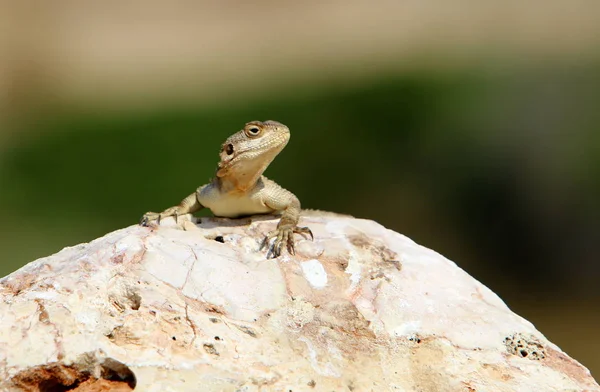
(242, 175)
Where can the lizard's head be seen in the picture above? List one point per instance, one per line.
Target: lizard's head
(247, 153)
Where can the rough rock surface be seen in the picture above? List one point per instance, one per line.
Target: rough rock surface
(361, 308)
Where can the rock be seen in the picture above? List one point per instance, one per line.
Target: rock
(361, 308)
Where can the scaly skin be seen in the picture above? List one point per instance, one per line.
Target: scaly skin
(240, 189)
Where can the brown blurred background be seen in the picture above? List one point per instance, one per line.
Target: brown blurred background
(471, 127)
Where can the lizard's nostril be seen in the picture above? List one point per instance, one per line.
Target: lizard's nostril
(229, 149)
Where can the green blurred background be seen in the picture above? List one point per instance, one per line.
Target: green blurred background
(472, 128)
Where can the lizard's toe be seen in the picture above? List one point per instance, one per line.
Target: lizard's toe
(278, 244)
(290, 244)
(155, 216)
(148, 217)
(268, 238)
(304, 230)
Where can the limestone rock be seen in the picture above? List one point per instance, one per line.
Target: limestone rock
(360, 308)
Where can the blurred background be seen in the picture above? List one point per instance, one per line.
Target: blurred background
(471, 127)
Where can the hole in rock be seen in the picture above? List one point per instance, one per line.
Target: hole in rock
(57, 377)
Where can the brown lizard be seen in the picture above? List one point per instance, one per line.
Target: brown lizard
(240, 189)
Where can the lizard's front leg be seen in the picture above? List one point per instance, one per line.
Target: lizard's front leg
(187, 206)
(282, 200)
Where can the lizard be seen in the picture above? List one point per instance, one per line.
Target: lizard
(239, 187)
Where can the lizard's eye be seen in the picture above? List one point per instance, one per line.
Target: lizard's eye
(253, 131)
(229, 149)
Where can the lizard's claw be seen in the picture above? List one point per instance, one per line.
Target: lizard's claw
(148, 217)
(283, 235)
(155, 216)
(304, 230)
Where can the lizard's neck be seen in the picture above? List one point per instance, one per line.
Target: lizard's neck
(242, 173)
(240, 179)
